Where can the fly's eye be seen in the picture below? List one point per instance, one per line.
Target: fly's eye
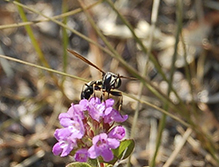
(117, 83)
(107, 79)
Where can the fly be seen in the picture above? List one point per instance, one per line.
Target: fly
(109, 82)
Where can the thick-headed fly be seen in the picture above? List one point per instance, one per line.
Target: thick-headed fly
(109, 81)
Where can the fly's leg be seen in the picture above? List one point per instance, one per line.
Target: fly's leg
(118, 105)
(96, 87)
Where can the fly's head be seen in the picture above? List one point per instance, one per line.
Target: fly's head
(111, 81)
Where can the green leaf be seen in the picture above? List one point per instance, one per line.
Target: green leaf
(78, 164)
(123, 151)
(90, 163)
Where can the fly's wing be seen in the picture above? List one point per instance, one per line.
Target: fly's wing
(85, 60)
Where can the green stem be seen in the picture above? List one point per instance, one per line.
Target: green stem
(64, 39)
(166, 107)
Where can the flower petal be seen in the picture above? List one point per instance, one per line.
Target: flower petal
(67, 148)
(62, 134)
(109, 102)
(107, 155)
(57, 149)
(113, 143)
(81, 155)
(93, 153)
(117, 132)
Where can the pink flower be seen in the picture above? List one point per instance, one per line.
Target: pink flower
(81, 155)
(117, 132)
(102, 146)
(65, 142)
(79, 128)
(114, 116)
(96, 108)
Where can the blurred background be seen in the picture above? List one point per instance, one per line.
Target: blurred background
(170, 47)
